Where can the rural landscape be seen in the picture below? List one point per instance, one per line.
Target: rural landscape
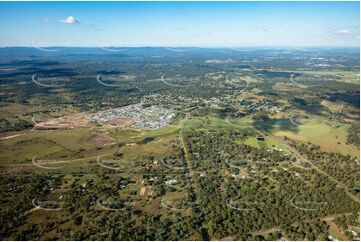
(193, 145)
(179, 143)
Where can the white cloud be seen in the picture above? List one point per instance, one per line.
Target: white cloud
(70, 20)
(340, 32)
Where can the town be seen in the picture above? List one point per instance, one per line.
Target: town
(148, 117)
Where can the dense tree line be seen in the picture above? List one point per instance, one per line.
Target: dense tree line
(353, 135)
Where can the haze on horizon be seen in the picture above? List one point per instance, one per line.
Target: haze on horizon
(193, 24)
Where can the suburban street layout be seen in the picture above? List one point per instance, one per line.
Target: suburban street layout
(195, 130)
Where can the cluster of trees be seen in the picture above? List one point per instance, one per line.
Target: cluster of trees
(264, 201)
(344, 168)
(14, 124)
(235, 207)
(316, 230)
(353, 135)
(16, 195)
(80, 218)
(267, 206)
(212, 149)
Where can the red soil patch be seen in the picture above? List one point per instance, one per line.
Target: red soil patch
(100, 140)
(65, 122)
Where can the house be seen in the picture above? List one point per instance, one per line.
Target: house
(171, 181)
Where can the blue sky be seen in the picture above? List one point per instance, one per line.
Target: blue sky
(207, 24)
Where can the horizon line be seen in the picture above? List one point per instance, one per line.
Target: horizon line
(183, 46)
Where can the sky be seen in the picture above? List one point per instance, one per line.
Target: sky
(175, 24)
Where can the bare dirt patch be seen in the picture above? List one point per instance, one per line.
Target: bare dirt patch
(65, 122)
(100, 140)
(82, 121)
(142, 191)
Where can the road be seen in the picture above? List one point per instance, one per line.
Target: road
(16, 135)
(296, 154)
(189, 174)
(185, 159)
